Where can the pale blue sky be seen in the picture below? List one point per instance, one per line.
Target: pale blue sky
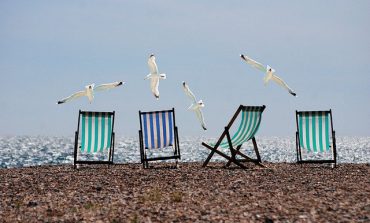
(50, 49)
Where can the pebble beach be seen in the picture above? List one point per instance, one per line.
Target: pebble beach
(281, 192)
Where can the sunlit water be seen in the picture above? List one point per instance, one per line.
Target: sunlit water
(20, 151)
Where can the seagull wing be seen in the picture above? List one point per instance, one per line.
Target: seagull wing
(279, 81)
(73, 96)
(189, 93)
(154, 84)
(108, 86)
(200, 117)
(152, 65)
(254, 63)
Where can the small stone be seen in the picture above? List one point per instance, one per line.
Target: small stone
(268, 220)
(32, 204)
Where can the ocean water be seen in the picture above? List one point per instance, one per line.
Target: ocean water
(21, 151)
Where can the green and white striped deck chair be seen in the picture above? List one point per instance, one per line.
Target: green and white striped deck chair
(249, 123)
(313, 135)
(94, 136)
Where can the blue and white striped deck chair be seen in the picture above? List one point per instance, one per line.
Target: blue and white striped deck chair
(94, 136)
(249, 123)
(158, 131)
(313, 135)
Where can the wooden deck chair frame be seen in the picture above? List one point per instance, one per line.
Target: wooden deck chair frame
(143, 154)
(77, 146)
(235, 151)
(299, 146)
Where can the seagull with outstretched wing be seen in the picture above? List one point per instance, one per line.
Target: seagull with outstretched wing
(154, 76)
(270, 73)
(196, 105)
(89, 91)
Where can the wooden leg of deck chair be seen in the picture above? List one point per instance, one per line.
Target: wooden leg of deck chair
(214, 150)
(237, 151)
(250, 159)
(209, 156)
(256, 149)
(229, 162)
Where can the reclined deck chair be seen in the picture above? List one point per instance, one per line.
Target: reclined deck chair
(158, 131)
(97, 137)
(313, 135)
(248, 127)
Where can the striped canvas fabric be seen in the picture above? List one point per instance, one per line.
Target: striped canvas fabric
(96, 131)
(158, 129)
(249, 124)
(313, 130)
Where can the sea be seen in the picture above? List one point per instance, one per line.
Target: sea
(25, 151)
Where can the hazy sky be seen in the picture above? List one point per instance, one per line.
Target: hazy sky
(51, 49)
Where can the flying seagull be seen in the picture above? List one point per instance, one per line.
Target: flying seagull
(89, 91)
(154, 76)
(270, 73)
(196, 105)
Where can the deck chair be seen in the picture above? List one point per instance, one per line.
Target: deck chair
(248, 127)
(95, 130)
(158, 131)
(313, 135)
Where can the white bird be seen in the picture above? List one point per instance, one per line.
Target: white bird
(196, 105)
(89, 91)
(154, 76)
(270, 73)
